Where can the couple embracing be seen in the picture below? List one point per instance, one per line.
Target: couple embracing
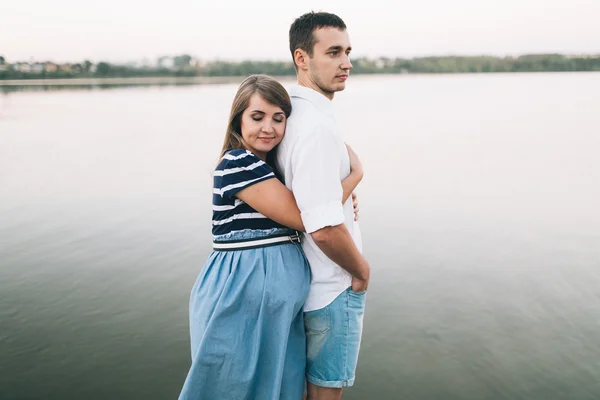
(277, 310)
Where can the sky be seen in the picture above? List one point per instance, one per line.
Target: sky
(231, 30)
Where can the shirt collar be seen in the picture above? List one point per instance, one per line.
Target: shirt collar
(317, 99)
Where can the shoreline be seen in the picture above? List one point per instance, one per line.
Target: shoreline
(207, 80)
(196, 80)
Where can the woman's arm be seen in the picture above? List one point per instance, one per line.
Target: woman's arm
(356, 175)
(275, 201)
(349, 184)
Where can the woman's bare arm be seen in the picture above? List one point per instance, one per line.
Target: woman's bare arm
(275, 201)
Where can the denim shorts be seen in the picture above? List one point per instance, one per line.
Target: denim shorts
(333, 339)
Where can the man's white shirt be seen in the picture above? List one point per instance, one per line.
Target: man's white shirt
(314, 160)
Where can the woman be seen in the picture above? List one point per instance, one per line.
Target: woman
(246, 320)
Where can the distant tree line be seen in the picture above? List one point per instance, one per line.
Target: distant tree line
(186, 66)
(479, 64)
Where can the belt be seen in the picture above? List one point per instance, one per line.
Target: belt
(254, 243)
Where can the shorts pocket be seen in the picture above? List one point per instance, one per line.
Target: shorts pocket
(317, 321)
(357, 293)
(357, 300)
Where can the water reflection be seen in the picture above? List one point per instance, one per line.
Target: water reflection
(109, 83)
(479, 216)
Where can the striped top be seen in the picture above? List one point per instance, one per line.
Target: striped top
(237, 170)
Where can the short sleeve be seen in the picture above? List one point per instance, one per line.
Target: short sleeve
(317, 185)
(237, 170)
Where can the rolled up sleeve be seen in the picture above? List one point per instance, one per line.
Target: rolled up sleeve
(317, 185)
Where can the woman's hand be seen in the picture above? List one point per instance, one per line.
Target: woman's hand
(355, 205)
(350, 183)
(352, 180)
(355, 164)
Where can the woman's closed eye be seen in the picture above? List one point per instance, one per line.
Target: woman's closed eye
(277, 119)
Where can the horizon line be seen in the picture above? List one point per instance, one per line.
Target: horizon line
(7, 60)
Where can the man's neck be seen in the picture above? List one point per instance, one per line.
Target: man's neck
(307, 83)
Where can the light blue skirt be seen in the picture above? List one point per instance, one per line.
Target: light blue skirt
(247, 325)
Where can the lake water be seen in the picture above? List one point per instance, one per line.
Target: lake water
(479, 211)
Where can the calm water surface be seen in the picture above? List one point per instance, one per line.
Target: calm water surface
(479, 212)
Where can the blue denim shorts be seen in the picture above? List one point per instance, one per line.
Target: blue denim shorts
(333, 339)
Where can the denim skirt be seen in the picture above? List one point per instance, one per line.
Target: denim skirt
(246, 324)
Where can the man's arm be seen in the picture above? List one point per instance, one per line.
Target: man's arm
(337, 243)
(318, 191)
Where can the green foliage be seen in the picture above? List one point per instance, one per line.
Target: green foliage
(103, 69)
(185, 65)
(275, 68)
(182, 61)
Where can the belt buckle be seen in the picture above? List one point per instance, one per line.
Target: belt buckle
(295, 238)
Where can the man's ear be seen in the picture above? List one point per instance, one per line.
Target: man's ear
(301, 58)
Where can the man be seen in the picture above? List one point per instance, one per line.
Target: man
(314, 161)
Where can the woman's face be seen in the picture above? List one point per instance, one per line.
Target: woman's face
(263, 126)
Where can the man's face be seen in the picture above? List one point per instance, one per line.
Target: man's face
(329, 66)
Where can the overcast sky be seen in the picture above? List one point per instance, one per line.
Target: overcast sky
(127, 30)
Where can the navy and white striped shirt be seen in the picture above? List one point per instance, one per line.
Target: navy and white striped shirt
(237, 170)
